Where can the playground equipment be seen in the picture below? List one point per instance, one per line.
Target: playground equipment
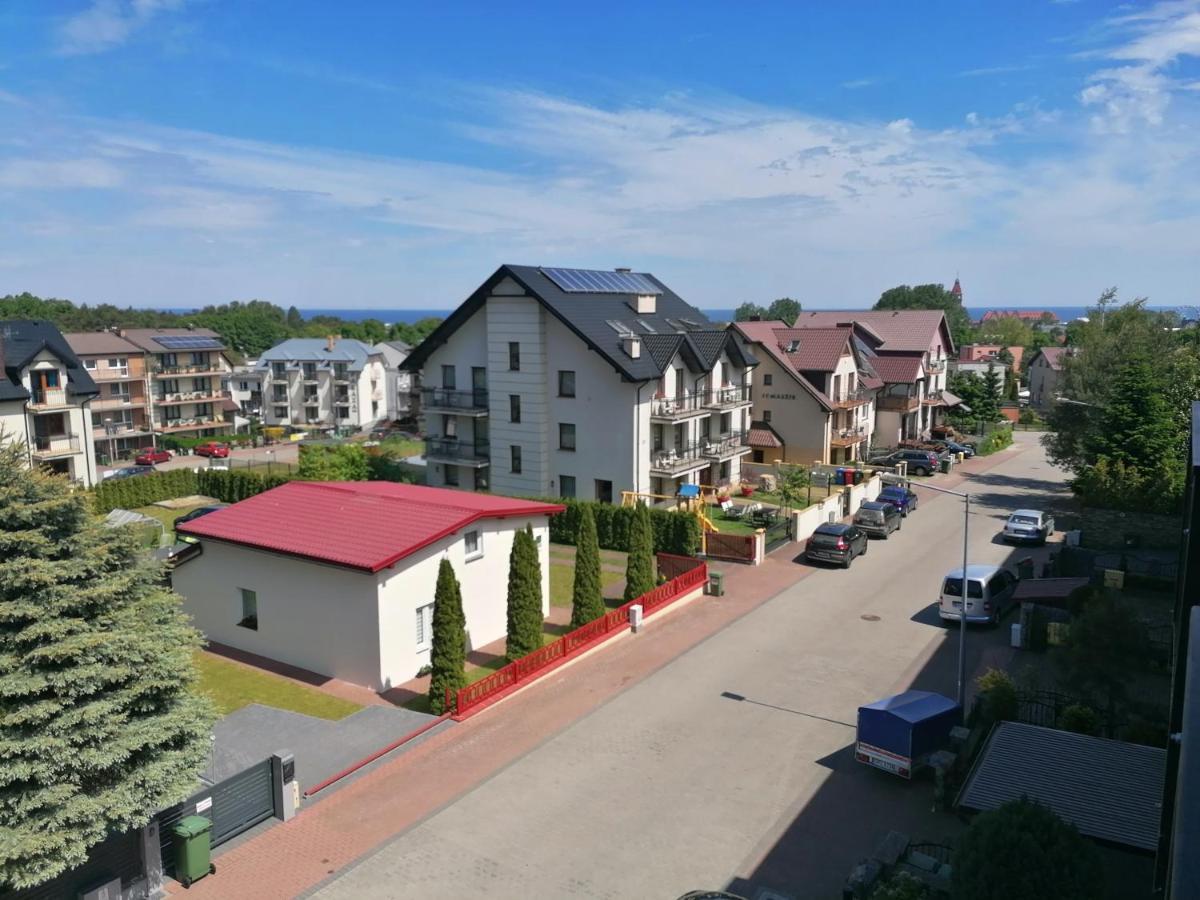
(693, 498)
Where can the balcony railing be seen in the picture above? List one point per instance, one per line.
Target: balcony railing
(677, 407)
(726, 397)
(851, 399)
(726, 445)
(118, 402)
(45, 446)
(848, 437)
(47, 398)
(434, 399)
(898, 402)
(119, 430)
(680, 458)
(174, 425)
(935, 366)
(933, 398)
(456, 451)
(110, 374)
(190, 397)
(174, 371)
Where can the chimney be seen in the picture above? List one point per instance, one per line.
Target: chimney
(330, 340)
(645, 304)
(632, 345)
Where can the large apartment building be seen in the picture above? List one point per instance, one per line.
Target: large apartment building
(582, 383)
(120, 414)
(326, 382)
(184, 372)
(45, 394)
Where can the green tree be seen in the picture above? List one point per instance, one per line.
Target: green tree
(333, 462)
(448, 651)
(99, 724)
(587, 598)
(793, 482)
(785, 309)
(1106, 646)
(747, 311)
(930, 296)
(639, 565)
(901, 886)
(1136, 424)
(989, 397)
(1022, 849)
(295, 321)
(1007, 331)
(524, 597)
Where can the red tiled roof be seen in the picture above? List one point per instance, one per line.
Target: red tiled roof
(366, 525)
(897, 369)
(763, 435)
(762, 334)
(902, 330)
(1053, 355)
(1025, 314)
(870, 382)
(818, 349)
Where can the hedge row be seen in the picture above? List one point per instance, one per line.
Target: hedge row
(674, 531)
(222, 484)
(997, 440)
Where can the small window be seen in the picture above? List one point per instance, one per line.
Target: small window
(424, 626)
(89, 364)
(515, 459)
(449, 379)
(514, 407)
(473, 545)
(566, 436)
(249, 609)
(766, 415)
(514, 356)
(566, 383)
(566, 485)
(281, 412)
(767, 378)
(451, 477)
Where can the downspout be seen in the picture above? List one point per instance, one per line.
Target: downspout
(90, 456)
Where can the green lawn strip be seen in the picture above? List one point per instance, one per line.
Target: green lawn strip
(732, 526)
(233, 686)
(402, 448)
(562, 582)
(168, 516)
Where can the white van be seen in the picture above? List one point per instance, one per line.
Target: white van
(989, 594)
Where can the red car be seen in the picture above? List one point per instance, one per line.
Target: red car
(213, 449)
(152, 457)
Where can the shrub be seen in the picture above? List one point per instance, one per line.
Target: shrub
(524, 597)
(1140, 731)
(639, 566)
(1000, 695)
(448, 653)
(587, 598)
(128, 493)
(1080, 719)
(673, 531)
(333, 462)
(901, 886)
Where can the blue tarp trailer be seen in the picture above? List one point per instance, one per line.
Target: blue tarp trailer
(898, 733)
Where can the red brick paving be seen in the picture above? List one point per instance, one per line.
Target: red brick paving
(294, 857)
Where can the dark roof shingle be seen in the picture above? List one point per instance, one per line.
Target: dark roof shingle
(23, 339)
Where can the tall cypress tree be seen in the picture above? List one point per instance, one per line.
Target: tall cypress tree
(639, 567)
(99, 724)
(524, 597)
(587, 599)
(448, 653)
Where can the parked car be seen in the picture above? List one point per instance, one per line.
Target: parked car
(835, 542)
(212, 448)
(878, 518)
(198, 512)
(152, 457)
(128, 472)
(967, 450)
(900, 497)
(1028, 525)
(920, 462)
(989, 594)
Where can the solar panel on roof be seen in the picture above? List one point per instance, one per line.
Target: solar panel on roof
(186, 342)
(598, 281)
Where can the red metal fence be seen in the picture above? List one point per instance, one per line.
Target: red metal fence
(472, 697)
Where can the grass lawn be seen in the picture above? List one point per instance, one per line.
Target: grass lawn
(732, 526)
(233, 686)
(168, 516)
(562, 582)
(402, 448)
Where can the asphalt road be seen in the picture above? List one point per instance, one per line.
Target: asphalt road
(731, 766)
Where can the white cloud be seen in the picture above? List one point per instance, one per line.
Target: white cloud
(59, 174)
(106, 24)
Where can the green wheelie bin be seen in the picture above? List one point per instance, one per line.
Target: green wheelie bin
(193, 857)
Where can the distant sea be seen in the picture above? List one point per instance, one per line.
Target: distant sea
(393, 316)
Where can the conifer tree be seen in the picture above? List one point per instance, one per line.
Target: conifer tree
(587, 598)
(639, 567)
(448, 653)
(524, 597)
(99, 724)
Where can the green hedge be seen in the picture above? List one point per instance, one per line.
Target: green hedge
(997, 440)
(224, 485)
(230, 486)
(674, 531)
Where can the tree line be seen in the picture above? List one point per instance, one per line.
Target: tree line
(248, 328)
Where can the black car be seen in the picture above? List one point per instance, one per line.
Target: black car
(878, 519)
(198, 512)
(900, 497)
(967, 450)
(920, 462)
(837, 543)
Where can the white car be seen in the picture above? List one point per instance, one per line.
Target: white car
(1031, 525)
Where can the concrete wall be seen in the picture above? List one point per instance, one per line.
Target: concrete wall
(805, 521)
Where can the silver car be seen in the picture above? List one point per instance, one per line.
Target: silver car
(1028, 526)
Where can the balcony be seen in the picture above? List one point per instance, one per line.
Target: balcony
(852, 399)
(172, 426)
(111, 374)
(726, 445)
(458, 453)
(176, 371)
(455, 403)
(188, 397)
(47, 398)
(671, 461)
(898, 402)
(119, 430)
(53, 445)
(848, 437)
(121, 401)
(728, 397)
(681, 406)
(341, 376)
(935, 367)
(934, 398)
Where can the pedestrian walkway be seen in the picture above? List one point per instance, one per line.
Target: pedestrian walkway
(399, 793)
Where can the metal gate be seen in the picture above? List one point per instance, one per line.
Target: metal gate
(778, 534)
(117, 857)
(234, 805)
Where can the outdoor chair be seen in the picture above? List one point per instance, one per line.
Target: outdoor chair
(733, 511)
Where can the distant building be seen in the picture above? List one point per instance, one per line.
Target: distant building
(327, 382)
(121, 415)
(185, 368)
(1045, 376)
(245, 388)
(1033, 316)
(45, 395)
(400, 392)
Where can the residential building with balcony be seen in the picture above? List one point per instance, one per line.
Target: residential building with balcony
(245, 388)
(401, 386)
(815, 393)
(186, 368)
(120, 414)
(328, 383)
(582, 383)
(45, 398)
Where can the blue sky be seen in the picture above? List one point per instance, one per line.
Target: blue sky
(377, 154)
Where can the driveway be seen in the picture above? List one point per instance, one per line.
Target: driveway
(731, 765)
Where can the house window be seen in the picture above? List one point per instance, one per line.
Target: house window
(726, 423)
(278, 370)
(724, 374)
(604, 492)
(566, 485)
(310, 393)
(449, 379)
(281, 412)
(766, 415)
(450, 426)
(89, 364)
(310, 371)
(656, 437)
(473, 544)
(566, 383)
(514, 356)
(514, 407)
(424, 626)
(767, 378)
(249, 609)
(452, 476)
(515, 461)
(566, 436)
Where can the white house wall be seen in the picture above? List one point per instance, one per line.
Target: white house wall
(801, 422)
(521, 320)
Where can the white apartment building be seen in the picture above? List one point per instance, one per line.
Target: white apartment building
(582, 383)
(400, 384)
(329, 382)
(45, 394)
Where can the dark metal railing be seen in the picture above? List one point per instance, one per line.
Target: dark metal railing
(446, 398)
(452, 448)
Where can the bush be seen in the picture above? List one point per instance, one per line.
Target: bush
(997, 440)
(674, 531)
(333, 462)
(1080, 719)
(1140, 731)
(1111, 484)
(129, 493)
(1028, 417)
(999, 695)
(901, 886)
